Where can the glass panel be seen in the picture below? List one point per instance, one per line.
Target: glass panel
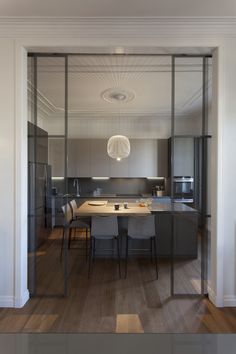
(47, 94)
(191, 174)
(128, 95)
(30, 88)
(51, 94)
(188, 96)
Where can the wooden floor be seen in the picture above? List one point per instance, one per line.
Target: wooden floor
(107, 304)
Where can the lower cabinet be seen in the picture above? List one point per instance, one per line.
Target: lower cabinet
(185, 237)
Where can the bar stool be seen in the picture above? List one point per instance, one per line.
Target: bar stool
(141, 228)
(73, 225)
(103, 228)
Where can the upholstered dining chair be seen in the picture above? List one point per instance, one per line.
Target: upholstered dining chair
(141, 228)
(73, 224)
(103, 228)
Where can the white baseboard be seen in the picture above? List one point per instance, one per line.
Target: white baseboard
(213, 298)
(20, 302)
(6, 301)
(211, 295)
(230, 301)
(11, 301)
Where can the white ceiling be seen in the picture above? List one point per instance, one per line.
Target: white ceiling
(117, 8)
(147, 77)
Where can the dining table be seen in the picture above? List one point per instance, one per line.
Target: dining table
(105, 208)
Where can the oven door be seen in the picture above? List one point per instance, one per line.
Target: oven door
(183, 188)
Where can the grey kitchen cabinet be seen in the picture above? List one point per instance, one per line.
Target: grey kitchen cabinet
(119, 168)
(89, 158)
(56, 156)
(143, 158)
(162, 157)
(184, 156)
(185, 234)
(37, 149)
(99, 159)
(79, 158)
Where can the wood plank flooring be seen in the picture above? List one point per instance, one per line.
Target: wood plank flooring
(107, 304)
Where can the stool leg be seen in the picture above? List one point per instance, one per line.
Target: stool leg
(126, 255)
(69, 238)
(94, 248)
(86, 245)
(90, 257)
(118, 253)
(151, 248)
(62, 242)
(155, 255)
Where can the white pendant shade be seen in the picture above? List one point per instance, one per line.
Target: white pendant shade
(118, 147)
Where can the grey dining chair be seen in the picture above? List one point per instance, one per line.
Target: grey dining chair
(142, 228)
(74, 207)
(73, 225)
(103, 228)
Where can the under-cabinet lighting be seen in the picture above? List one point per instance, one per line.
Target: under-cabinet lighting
(155, 178)
(58, 178)
(101, 178)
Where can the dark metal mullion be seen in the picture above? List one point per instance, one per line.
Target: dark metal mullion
(172, 173)
(204, 241)
(45, 54)
(34, 169)
(66, 180)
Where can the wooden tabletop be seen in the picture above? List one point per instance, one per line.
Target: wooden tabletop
(108, 209)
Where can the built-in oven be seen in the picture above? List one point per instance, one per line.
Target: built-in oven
(183, 189)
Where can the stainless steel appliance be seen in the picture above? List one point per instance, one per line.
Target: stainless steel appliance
(184, 189)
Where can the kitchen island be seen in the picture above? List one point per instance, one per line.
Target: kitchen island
(178, 217)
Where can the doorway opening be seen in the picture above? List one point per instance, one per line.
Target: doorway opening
(167, 118)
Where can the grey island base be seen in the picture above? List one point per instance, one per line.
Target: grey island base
(178, 217)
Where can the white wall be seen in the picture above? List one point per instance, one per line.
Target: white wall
(229, 171)
(7, 175)
(13, 142)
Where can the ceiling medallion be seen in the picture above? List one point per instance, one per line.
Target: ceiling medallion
(118, 95)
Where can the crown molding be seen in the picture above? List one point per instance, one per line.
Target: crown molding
(117, 27)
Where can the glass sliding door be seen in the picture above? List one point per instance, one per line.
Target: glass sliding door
(74, 109)
(190, 151)
(47, 174)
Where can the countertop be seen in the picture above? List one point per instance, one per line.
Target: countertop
(159, 204)
(111, 195)
(169, 207)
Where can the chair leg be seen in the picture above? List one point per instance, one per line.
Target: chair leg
(70, 231)
(126, 255)
(151, 248)
(86, 245)
(62, 243)
(155, 255)
(118, 253)
(94, 248)
(90, 257)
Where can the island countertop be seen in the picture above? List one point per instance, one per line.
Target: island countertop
(155, 207)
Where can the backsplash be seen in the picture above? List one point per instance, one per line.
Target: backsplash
(111, 186)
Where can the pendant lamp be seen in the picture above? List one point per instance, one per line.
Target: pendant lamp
(118, 147)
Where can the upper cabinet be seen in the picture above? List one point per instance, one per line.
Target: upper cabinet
(99, 159)
(89, 158)
(56, 156)
(142, 161)
(79, 158)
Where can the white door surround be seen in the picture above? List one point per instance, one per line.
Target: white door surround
(17, 36)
